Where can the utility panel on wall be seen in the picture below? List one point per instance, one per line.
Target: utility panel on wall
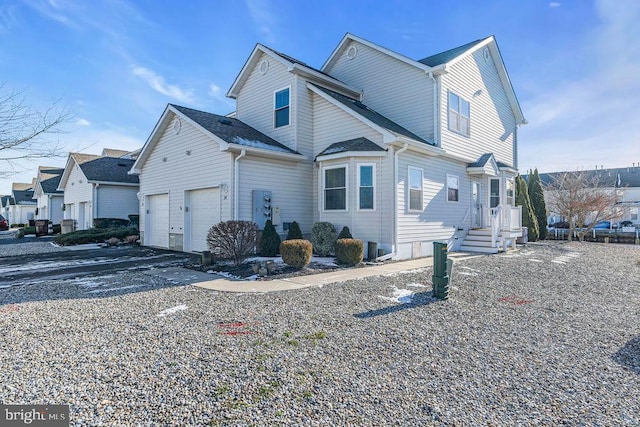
(261, 207)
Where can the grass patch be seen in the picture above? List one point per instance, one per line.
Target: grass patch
(94, 235)
(316, 336)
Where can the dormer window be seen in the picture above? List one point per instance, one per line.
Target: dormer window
(281, 108)
(459, 114)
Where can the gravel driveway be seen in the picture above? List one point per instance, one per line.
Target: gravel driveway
(548, 335)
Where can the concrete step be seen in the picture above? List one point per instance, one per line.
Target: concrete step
(479, 249)
(481, 237)
(480, 232)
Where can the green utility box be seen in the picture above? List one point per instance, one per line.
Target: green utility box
(441, 271)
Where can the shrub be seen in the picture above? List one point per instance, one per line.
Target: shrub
(323, 238)
(349, 251)
(294, 231)
(345, 233)
(234, 240)
(57, 228)
(24, 231)
(93, 235)
(270, 241)
(132, 239)
(113, 241)
(296, 252)
(110, 222)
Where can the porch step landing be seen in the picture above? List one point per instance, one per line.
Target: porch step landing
(479, 240)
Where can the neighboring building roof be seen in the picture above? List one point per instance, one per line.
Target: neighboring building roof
(233, 131)
(449, 55)
(114, 152)
(372, 115)
(606, 178)
(105, 169)
(22, 194)
(49, 178)
(357, 144)
(6, 199)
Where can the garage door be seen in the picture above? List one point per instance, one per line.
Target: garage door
(158, 221)
(204, 212)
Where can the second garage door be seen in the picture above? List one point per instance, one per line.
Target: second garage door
(204, 212)
(158, 221)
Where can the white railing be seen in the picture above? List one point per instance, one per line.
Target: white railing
(496, 223)
(507, 218)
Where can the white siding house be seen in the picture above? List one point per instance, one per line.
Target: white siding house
(20, 208)
(404, 152)
(50, 200)
(98, 187)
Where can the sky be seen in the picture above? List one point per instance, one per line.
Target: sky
(114, 65)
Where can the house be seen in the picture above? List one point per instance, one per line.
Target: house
(122, 154)
(20, 208)
(404, 152)
(49, 199)
(98, 187)
(625, 182)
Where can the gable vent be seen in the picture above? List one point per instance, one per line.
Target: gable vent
(225, 121)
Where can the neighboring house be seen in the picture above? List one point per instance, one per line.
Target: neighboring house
(20, 207)
(625, 182)
(49, 199)
(98, 187)
(403, 152)
(123, 154)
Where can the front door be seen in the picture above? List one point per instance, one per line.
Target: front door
(476, 205)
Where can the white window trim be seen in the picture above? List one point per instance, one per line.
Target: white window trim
(373, 172)
(447, 188)
(449, 126)
(346, 187)
(409, 189)
(274, 107)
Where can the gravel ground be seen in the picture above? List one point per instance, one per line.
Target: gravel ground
(548, 335)
(10, 246)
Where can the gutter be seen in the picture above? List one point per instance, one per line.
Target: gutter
(404, 148)
(236, 189)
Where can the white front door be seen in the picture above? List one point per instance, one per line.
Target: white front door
(81, 215)
(157, 221)
(476, 205)
(204, 212)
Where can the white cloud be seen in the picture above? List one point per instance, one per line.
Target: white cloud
(555, 4)
(263, 18)
(83, 122)
(157, 83)
(214, 90)
(589, 118)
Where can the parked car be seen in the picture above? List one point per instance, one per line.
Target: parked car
(626, 224)
(561, 224)
(4, 225)
(603, 225)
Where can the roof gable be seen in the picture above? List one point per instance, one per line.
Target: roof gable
(448, 55)
(293, 65)
(22, 193)
(48, 180)
(485, 165)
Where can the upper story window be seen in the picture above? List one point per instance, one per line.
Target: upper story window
(415, 189)
(453, 193)
(459, 114)
(366, 187)
(335, 188)
(281, 108)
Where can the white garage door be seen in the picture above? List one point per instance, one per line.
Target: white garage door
(158, 221)
(204, 212)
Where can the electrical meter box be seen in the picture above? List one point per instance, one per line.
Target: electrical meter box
(261, 207)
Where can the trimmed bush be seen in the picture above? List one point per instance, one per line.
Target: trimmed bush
(270, 241)
(323, 238)
(24, 231)
(235, 240)
(57, 228)
(296, 252)
(345, 233)
(349, 251)
(113, 241)
(110, 222)
(93, 235)
(294, 231)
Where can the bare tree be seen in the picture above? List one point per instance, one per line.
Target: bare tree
(25, 132)
(582, 200)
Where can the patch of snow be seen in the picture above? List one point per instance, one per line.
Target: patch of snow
(464, 267)
(172, 310)
(558, 262)
(400, 296)
(535, 260)
(259, 144)
(234, 277)
(467, 273)
(416, 285)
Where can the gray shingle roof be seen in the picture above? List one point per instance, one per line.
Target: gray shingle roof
(50, 179)
(481, 162)
(371, 115)
(448, 55)
(357, 144)
(23, 197)
(608, 178)
(106, 169)
(3, 200)
(114, 152)
(233, 131)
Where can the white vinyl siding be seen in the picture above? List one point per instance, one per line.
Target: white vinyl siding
(396, 90)
(76, 191)
(170, 169)
(255, 102)
(116, 201)
(493, 127)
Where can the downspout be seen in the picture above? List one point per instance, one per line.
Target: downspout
(395, 204)
(95, 203)
(236, 189)
(434, 95)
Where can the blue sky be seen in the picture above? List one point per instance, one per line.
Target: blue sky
(575, 65)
